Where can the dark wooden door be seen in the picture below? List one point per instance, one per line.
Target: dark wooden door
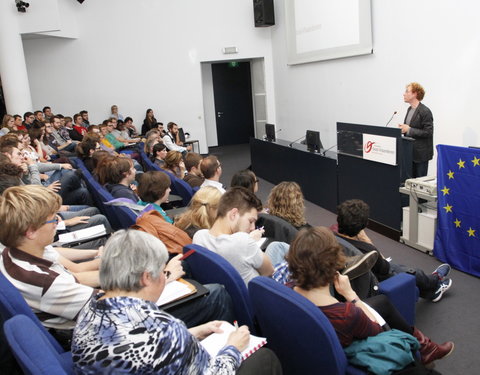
(232, 90)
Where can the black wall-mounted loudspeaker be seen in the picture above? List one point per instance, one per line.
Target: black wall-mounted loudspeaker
(263, 13)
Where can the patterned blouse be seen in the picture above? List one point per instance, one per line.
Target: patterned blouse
(125, 335)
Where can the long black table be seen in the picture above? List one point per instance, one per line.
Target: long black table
(316, 174)
(331, 179)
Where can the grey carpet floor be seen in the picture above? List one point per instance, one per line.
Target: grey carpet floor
(453, 318)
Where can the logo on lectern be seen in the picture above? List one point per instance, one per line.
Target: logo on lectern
(368, 146)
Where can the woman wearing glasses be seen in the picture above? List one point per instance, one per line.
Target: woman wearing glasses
(124, 329)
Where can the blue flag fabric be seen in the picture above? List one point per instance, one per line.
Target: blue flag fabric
(457, 240)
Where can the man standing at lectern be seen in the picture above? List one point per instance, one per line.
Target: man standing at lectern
(418, 124)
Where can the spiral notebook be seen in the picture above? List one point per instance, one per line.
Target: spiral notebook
(217, 341)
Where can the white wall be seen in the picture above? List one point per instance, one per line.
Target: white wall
(148, 53)
(434, 42)
(144, 54)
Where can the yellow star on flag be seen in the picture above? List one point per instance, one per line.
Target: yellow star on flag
(461, 164)
(476, 161)
(450, 174)
(448, 208)
(471, 232)
(457, 223)
(445, 190)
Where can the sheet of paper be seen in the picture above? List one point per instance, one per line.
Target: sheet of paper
(82, 234)
(173, 291)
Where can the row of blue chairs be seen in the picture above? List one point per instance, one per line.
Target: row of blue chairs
(36, 350)
(122, 217)
(296, 329)
(118, 216)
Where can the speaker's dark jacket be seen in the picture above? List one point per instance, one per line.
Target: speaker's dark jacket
(421, 129)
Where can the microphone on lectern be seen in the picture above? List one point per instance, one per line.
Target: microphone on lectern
(391, 118)
(296, 140)
(328, 149)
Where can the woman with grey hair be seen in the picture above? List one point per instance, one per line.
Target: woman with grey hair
(123, 331)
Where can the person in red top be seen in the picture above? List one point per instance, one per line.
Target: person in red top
(78, 124)
(313, 259)
(17, 122)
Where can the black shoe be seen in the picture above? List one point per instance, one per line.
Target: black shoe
(359, 265)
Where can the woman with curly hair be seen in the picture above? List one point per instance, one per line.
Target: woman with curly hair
(286, 201)
(174, 164)
(314, 260)
(201, 212)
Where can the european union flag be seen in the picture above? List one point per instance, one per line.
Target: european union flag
(457, 240)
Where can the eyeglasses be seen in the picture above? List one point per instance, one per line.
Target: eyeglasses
(56, 220)
(167, 274)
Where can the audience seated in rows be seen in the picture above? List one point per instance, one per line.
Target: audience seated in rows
(73, 217)
(132, 277)
(314, 259)
(58, 177)
(232, 234)
(27, 238)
